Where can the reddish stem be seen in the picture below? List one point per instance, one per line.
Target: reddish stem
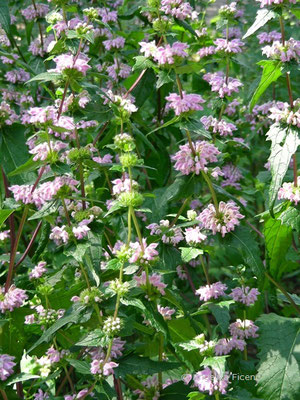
(11, 218)
(135, 83)
(34, 235)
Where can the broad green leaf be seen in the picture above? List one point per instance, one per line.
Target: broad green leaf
(244, 242)
(271, 72)
(136, 365)
(262, 17)
(47, 209)
(168, 123)
(291, 217)
(221, 313)
(94, 338)
(195, 126)
(22, 377)
(114, 264)
(186, 26)
(83, 367)
(296, 12)
(175, 391)
(142, 62)
(4, 214)
(217, 363)
(278, 241)
(5, 18)
(13, 151)
(29, 166)
(279, 366)
(133, 302)
(284, 143)
(45, 77)
(196, 396)
(163, 78)
(73, 316)
(189, 253)
(239, 393)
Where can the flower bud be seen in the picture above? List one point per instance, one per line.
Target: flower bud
(118, 287)
(91, 13)
(191, 215)
(124, 142)
(127, 199)
(129, 160)
(154, 3)
(112, 326)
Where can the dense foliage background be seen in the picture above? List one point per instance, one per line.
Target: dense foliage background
(149, 200)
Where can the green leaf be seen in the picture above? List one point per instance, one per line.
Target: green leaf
(296, 12)
(284, 144)
(271, 72)
(13, 151)
(244, 242)
(168, 123)
(279, 366)
(5, 18)
(83, 367)
(22, 377)
(291, 217)
(186, 26)
(29, 166)
(136, 365)
(262, 17)
(217, 363)
(278, 240)
(189, 253)
(4, 214)
(94, 338)
(47, 209)
(196, 396)
(142, 62)
(73, 316)
(163, 78)
(221, 313)
(195, 126)
(45, 77)
(114, 264)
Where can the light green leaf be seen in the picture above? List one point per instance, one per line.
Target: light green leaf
(22, 377)
(189, 253)
(217, 363)
(47, 209)
(262, 17)
(272, 70)
(4, 214)
(94, 338)
(45, 77)
(284, 144)
(163, 78)
(279, 366)
(278, 241)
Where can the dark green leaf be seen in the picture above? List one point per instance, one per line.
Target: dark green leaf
(4, 214)
(221, 313)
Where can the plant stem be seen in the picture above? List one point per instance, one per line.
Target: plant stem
(39, 25)
(2, 391)
(129, 227)
(34, 235)
(179, 85)
(204, 270)
(160, 357)
(245, 348)
(85, 276)
(137, 228)
(80, 172)
(212, 191)
(283, 291)
(66, 211)
(217, 396)
(180, 211)
(14, 252)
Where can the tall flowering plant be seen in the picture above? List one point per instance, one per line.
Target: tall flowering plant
(149, 203)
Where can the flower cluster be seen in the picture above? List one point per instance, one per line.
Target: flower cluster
(221, 84)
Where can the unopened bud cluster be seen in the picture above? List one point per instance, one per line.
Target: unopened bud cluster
(112, 326)
(119, 287)
(124, 142)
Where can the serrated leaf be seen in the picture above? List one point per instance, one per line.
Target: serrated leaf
(113, 264)
(136, 365)
(291, 217)
(271, 72)
(195, 126)
(189, 253)
(279, 366)
(22, 377)
(83, 367)
(244, 242)
(29, 166)
(94, 338)
(221, 312)
(142, 62)
(45, 77)
(47, 209)
(163, 78)
(262, 17)
(217, 363)
(278, 241)
(284, 144)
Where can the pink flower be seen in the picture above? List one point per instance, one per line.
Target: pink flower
(154, 280)
(81, 231)
(38, 270)
(245, 295)
(106, 159)
(287, 52)
(264, 3)
(210, 381)
(187, 163)
(206, 51)
(6, 366)
(232, 175)
(143, 255)
(194, 236)
(269, 37)
(289, 191)
(225, 346)
(218, 126)
(212, 291)
(243, 329)
(4, 235)
(218, 83)
(233, 46)
(188, 102)
(31, 12)
(97, 367)
(166, 312)
(42, 150)
(179, 9)
(116, 43)
(53, 355)
(68, 62)
(13, 298)
(181, 273)
(59, 235)
(226, 220)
